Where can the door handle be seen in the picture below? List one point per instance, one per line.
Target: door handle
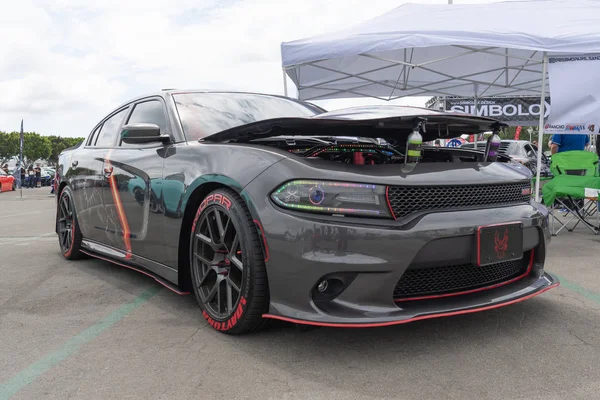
(74, 163)
(108, 171)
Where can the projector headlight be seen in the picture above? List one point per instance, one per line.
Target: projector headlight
(329, 197)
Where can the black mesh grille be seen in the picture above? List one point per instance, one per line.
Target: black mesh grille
(417, 282)
(406, 200)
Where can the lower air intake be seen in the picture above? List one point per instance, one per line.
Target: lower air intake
(424, 282)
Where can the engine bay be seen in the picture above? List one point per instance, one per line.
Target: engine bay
(365, 151)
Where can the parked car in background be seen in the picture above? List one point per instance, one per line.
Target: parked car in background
(7, 182)
(522, 151)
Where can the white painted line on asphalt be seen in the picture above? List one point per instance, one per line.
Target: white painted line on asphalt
(26, 239)
(16, 215)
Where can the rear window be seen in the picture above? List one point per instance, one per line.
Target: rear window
(203, 114)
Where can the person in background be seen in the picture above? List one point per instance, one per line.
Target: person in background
(562, 143)
(17, 175)
(38, 176)
(30, 177)
(22, 176)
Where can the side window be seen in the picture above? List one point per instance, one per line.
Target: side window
(110, 129)
(149, 112)
(93, 136)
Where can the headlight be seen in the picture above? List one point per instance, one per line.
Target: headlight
(328, 197)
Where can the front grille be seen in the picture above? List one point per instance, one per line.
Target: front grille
(419, 282)
(406, 200)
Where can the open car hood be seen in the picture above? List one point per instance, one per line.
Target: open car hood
(389, 122)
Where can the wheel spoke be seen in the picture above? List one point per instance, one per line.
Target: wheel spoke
(232, 284)
(68, 205)
(213, 292)
(235, 261)
(219, 224)
(234, 245)
(63, 209)
(67, 239)
(210, 228)
(219, 295)
(203, 259)
(226, 228)
(229, 298)
(202, 278)
(205, 239)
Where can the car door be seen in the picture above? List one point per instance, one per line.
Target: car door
(133, 175)
(86, 175)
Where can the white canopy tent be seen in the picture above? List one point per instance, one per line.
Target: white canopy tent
(437, 50)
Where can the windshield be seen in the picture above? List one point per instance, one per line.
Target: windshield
(203, 114)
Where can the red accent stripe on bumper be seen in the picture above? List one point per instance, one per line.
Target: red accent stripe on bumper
(431, 316)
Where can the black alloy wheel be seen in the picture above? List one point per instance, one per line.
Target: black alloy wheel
(69, 237)
(219, 266)
(227, 267)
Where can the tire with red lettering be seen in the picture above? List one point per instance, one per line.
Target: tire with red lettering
(67, 227)
(227, 264)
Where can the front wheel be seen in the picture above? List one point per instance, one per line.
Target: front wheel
(227, 264)
(69, 235)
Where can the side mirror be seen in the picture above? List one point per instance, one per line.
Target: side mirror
(142, 133)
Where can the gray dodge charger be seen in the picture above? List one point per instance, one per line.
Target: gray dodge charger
(265, 207)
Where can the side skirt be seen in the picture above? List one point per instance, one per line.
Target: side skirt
(138, 264)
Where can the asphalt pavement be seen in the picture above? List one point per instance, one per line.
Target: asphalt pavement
(92, 330)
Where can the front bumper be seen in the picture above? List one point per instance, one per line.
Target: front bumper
(376, 259)
(303, 249)
(427, 309)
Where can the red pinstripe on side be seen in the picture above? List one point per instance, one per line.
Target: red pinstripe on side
(390, 323)
(112, 182)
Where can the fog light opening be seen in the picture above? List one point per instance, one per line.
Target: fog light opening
(331, 286)
(323, 286)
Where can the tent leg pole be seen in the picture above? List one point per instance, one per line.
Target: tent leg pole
(541, 128)
(285, 90)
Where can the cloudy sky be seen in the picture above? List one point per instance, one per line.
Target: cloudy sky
(65, 63)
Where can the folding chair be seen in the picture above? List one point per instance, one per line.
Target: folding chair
(574, 171)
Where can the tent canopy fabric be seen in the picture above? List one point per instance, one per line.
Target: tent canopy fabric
(436, 50)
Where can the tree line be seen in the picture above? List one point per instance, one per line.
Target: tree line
(35, 146)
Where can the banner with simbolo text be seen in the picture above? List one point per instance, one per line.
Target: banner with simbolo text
(575, 87)
(514, 111)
